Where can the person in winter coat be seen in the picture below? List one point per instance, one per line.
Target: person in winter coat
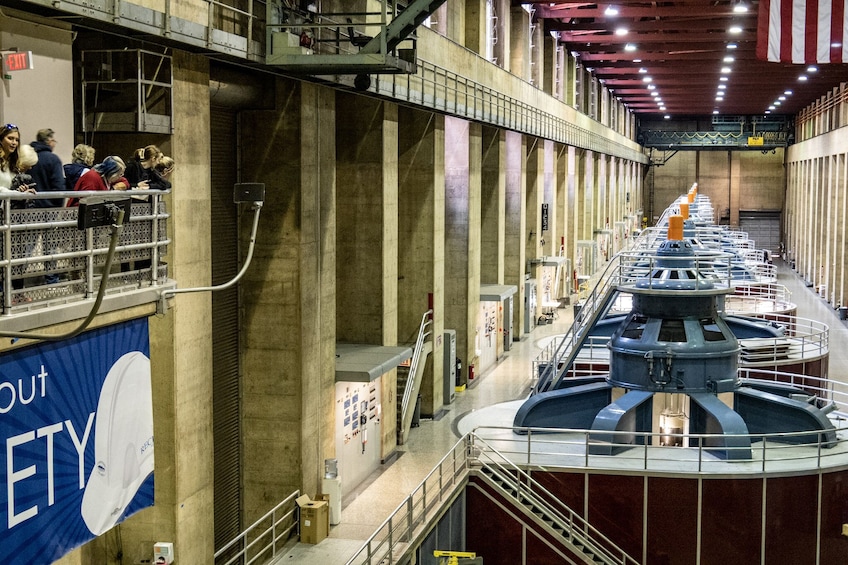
(47, 173)
(82, 159)
(107, 175)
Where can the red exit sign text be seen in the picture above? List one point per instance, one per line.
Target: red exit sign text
(17, 61)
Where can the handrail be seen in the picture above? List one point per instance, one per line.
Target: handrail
(568, 347)
(46, 241)
(411, 516)
(251, 533)
(426, 320)
(578, 528)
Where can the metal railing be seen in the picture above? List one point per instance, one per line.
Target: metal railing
(45, 258)
(441, 89)
(409, 387)
(563, 448)
(263, 539)
(412, 517)
(576, 529)
(519, 453)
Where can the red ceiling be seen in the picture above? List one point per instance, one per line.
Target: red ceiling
(682, 45)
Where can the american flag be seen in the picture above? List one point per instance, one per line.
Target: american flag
(802, 31)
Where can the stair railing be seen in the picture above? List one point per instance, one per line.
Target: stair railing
(423, 334)
(578, 531)
(558, 359)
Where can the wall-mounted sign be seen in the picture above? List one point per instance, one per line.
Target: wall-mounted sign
(544, 217)
(755, 140)
(76, 422)
(17, 61)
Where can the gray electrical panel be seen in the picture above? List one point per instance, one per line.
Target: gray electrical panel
(449, 352)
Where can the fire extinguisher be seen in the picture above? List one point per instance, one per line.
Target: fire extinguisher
(470, 372)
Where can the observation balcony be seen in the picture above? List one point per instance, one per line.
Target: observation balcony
(51, 271)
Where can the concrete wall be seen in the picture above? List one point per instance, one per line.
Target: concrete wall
(734, 180)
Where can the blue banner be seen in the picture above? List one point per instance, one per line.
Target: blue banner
(76, 420)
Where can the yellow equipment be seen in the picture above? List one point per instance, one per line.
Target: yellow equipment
(453, 557)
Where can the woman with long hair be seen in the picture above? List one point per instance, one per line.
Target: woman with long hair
(10, 139)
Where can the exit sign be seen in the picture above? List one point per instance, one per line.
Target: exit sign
(17, 61)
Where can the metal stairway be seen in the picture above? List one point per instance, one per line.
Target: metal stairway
(545, 510)
(409, 380)
(402, 26)
(553, 365)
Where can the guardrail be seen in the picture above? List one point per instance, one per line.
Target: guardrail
(411, 518)
(578, 532)
(570, 448)
(409, 386)
(263, 539)
(45, 258)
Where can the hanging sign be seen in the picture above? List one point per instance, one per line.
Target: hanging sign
(17, 61)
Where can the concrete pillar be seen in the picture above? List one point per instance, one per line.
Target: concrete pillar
(549, 197)
(367, 236)
(572, 203)
(181, 352)
(493, 187)
(463, 157)
(537, 55)
(503, 34)
(289, 299)
(516, 232)
(476, 26)
(561, 209)
(840, 241)
(456, 20)
(421, 236)
(520, 56)
(550, 64)
(535, 196)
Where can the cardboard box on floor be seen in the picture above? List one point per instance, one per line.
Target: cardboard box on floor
(314, 519)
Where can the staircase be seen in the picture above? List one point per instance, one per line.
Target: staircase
(402, 26)
(556, 361)
(409, 378)
(545, 510)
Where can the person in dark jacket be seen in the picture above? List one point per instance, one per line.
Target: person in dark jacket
(47, 173)
(49, 177)
(82, 159)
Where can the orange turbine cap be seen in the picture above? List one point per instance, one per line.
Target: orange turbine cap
(675, 228)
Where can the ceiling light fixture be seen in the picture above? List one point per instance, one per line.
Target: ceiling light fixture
(802, 78)
(734, 30)
(621, 31)
(667, 117)
(611, 11)
(647, 79)
(728, 59)
(812, 69)
(731, 46)
(740, 8)
(722, 86)
(630, 47)
(781, 98)
(651, 87)
(719, 98)
(715, 111)
(787, 92)
(726, 70)
(772, 107)
(723, 79)
(642, 70)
